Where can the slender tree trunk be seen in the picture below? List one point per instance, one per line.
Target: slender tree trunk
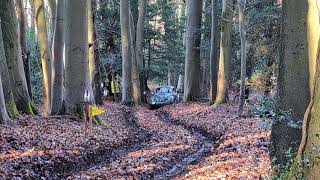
(53, 8)
(97, 90)
(45, 53)
(139, 42)
(214, 52)
(22, 34)
(293, 81)
(135, 66)
(13, 56)
(311, 128)
(242, 31)
(126, 54)
(4, 73)
(4, 117)
(192, 65)
(91, 39)
(77, 50)
(225, 52)
(57, 60)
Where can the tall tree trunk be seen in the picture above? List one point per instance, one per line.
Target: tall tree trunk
(53, 8)
(45, 53)
(192, 64)
(4, 117)
(22, 34)
(32, 19)
(57, 60)
(225, 52)
(135, 66)
(242, 31)
(293, 80)
(214, 52)
(126, 54)
(13, 56)
(97, 90)
(91, 39)
(310, 145)
(310, 129)
(77, 50)
(5, 78)
(139, 42)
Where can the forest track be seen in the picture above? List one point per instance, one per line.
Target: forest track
(207, 143)
(138, 137)
(158, 151)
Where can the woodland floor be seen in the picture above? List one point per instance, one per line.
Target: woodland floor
(181, 141)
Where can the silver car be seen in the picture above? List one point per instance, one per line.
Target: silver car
(164, 95)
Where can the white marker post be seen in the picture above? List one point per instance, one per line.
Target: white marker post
(88, 117)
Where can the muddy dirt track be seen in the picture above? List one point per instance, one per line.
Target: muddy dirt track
(183, 141)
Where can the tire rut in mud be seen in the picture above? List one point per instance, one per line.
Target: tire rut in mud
(207, 142)
(137, 138)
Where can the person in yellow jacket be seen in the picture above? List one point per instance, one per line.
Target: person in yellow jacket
(116, 88)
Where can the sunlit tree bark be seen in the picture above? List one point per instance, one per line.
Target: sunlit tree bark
(44, 52)
(225, 52)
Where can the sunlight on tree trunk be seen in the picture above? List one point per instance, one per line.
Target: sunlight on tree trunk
(45, 54)
(225, 52)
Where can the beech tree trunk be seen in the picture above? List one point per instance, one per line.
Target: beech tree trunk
(193, 41)
(293, 81)
(214, 52)
(135, 66)
(139, 42)
(126, 54)
(225, 52)
(76, 63)
(5, 80)
(309, 147)
(53, 8)
(45, 53)
(13, 56)
(4, 117)
(22, 34)
(97, 90)
(242, 30)
(91, 39)
(57, 60)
